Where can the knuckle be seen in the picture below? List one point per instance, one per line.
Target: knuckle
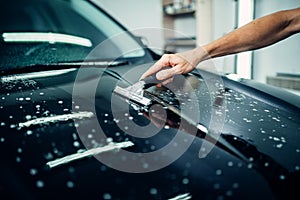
(178, 70)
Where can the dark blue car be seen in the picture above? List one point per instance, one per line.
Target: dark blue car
(65, 133)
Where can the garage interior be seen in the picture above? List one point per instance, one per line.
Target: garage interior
(179, 25)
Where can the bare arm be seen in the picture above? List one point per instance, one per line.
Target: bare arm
(257, 34)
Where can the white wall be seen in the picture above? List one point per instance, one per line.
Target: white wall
(144, 18)
(185, 26)
(223, 22)
(280, 57)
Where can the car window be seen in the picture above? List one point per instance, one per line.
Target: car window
(66, 20)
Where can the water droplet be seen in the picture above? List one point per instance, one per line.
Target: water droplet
(12, 126)
(247, 120)
(235, 185)
(33, 171)
(167, 127)
(276, 119)
(29, 132)
(218, 172)
(41, 93)
(28, 117)
(70, 184)
(217, 186)
(153, 191)
(40, 184)
(2, 139)
(152, 147)
(71, 169)
(188, 165)
(103, 168)
(109, 140)
(282, 177)
(230, 163)
(185, 181)
(76, 144)
(279, 146)
(18, 159)
(19, 150)
(74, 136)
(145, 165)
(49, 156)
(60, 102)
(106, 196)
(27, 98)
(229, 193)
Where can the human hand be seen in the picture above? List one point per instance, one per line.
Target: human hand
(180, 63)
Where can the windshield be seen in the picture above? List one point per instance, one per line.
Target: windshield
(53, 31)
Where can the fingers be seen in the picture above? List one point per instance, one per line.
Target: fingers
(165, 74)
(168, 66)
(161, 63)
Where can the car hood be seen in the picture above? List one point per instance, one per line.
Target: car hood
(52, 115)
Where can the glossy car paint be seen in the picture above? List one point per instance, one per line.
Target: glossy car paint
(48, 116)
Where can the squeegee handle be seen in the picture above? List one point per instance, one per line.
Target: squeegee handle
(152, 80)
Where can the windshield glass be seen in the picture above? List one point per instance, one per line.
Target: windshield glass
(52, 31)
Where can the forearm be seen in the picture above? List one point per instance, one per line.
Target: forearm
(257, 34)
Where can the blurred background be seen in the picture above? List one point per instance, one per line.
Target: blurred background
(197, 22)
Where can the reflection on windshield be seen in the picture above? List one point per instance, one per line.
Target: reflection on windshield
(86, 153)
(32, 75)
(41, 32)
(46, 37)
(56, 118)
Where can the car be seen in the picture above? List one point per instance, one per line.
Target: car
(67, 133)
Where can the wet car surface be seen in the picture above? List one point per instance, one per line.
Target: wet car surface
(66, 135)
